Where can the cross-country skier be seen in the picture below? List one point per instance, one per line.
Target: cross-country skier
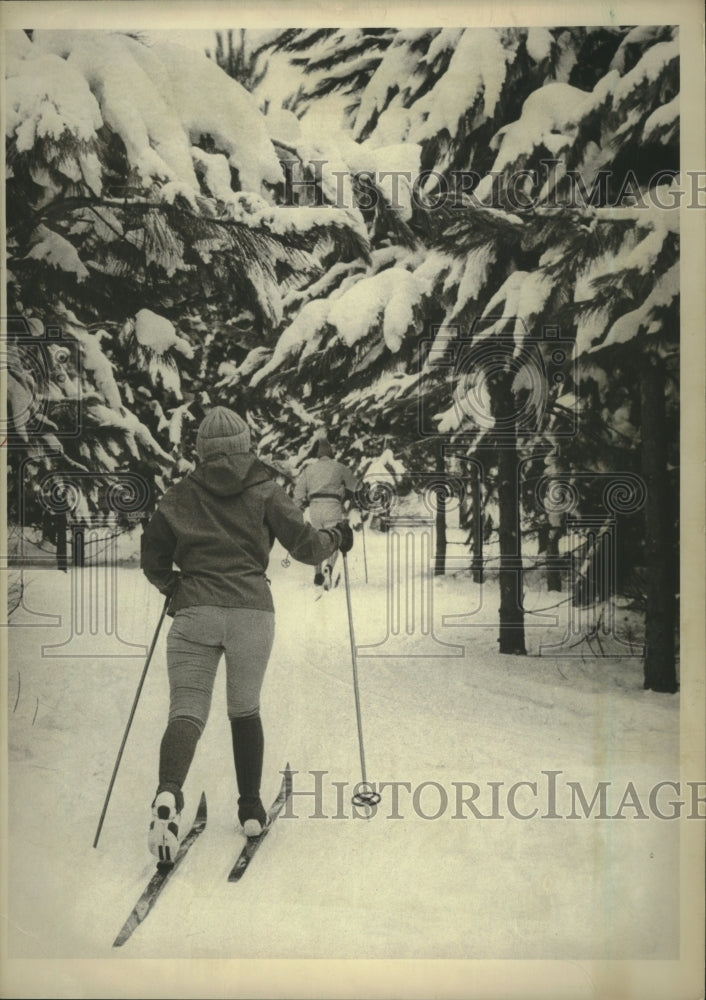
(325, 485)
(218, 525)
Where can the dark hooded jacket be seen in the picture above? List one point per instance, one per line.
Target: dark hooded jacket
(218, 526)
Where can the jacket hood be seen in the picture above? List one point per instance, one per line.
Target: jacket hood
(229, 475)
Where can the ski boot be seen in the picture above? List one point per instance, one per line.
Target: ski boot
(163, 836)
(252, 817)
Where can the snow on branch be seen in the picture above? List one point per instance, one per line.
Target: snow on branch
(160, 99)
(550, 118)
(384, 469)
(135, 431)
(471, 66)
(474, 276)
(539, 44)
(646, 318)
(153, 339)
(663, 123)
(332, 278)
(637, 39)
(335, 158)
(523, 297)
(648, 70)
(57, 252)
(95, 362)
(398, 63)
(231, 374)
(389, 300)
(645, 245)
(158, 334)
(46, 98)
(284, 221)
(473, 80)
(300, 333)
(392, 294)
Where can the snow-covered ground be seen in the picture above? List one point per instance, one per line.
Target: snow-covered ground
(334, 885)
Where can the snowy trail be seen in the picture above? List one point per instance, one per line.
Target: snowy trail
(410, 887)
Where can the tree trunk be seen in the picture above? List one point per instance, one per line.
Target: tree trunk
(79, 546)
(660, 616)
(477, 514)
(440, 555)
(542, 539)
(61, 556)
(548, 546)
(552, 553)
(512, 622)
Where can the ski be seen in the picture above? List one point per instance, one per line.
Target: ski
(161, 877)
(328, 586)
(252, 844)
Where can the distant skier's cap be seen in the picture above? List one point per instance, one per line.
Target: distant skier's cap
(222, 432)
(324, 449)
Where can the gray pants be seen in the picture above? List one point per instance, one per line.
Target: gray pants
(326, 513)
(199, 636)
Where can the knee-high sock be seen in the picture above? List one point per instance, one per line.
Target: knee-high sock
(176, 753)
(248, 752)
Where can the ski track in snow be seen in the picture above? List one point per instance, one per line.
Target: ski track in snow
(347, 887)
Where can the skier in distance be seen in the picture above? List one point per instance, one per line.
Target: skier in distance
(218, 525)
(325, 485)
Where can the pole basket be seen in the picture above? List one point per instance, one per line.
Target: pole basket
(366, 798)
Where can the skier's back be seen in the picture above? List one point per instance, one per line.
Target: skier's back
(325, 486)
(218, 526)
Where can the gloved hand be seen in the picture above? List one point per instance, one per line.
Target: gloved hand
(345, 533)
(169, 592)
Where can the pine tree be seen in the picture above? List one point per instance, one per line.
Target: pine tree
(238, 59)
(539, 160)
(321, 291)
(131, 203)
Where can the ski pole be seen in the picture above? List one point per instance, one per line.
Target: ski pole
(365, 797)
(129, 721)
(365, 555)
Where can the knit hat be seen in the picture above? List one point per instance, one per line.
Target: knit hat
(222, 432)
